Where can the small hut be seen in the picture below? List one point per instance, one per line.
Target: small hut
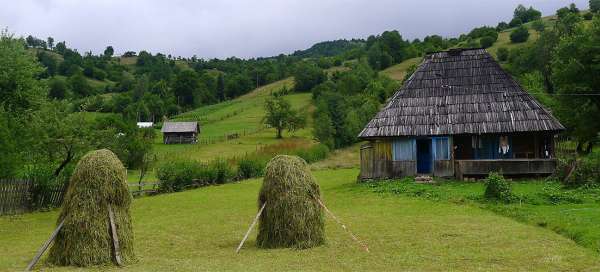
(180, 132)
(459, 114)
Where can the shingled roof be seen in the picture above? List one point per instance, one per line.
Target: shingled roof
(461, 91)
(180, 127)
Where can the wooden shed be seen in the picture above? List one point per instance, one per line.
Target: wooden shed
(180, 132)
(459, 114)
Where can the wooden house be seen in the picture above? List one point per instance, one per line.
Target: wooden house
(459, 114)
(180, 132)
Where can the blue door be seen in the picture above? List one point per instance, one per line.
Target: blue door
(424, 160)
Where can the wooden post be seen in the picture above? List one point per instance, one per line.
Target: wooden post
(115, 237)
(45, 246)
(251, 227)
(365, 247)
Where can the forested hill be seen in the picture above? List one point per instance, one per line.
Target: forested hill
(330, 48)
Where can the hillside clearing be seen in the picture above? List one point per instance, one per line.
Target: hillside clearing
(398, 71)
(201, 228)
(241, 116)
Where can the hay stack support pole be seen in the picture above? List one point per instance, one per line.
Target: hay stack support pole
(115, 238)
(251, 227)
(44, 247)
(364, 246)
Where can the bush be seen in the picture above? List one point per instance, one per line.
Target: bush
(44, 183)
(556, 195)
(220, 172)
(179, 175)
(176, 176)
(497, 188)
(515, 22)
(587, 171)
(502, 54)
(487, 41)
(519, 35)
(588, 16)
(251, 168)
(314, 153)
(538, 25)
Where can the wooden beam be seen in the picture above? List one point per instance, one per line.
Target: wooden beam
(114, 236)
(251, 227)
(44, 246)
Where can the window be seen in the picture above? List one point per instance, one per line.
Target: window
(404, 150)
(442, 148)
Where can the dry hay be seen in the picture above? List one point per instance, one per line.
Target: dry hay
(292, 217)
(99, 180)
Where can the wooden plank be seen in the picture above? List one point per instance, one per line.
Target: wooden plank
(251, 227)
(115, 237)
(45, 246)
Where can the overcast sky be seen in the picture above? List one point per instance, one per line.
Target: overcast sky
(246, 28)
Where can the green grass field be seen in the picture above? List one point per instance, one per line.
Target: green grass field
(398, 71)
(572, 213)
(242, 115)
(200, 229)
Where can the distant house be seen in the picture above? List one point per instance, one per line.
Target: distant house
(180, 132)
(145, 124)
(459, 114)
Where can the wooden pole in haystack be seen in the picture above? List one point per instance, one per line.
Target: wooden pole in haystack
(363, 245)
(44, 247)
(251, 227)
(114, 236)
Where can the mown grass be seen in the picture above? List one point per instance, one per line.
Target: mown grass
(199, 230)
(243, 116)
(398, 72)
(570, 212)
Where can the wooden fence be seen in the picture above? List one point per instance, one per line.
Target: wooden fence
(19, 196)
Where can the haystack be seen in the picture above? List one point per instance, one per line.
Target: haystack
(99, 180)
(292, 216)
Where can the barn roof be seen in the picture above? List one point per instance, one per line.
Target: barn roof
(180, 127)
(461, 91)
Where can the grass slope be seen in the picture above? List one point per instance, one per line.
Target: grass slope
(199, 230)
(242, 115)
(398, 71)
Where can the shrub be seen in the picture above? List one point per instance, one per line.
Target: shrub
(519, 35)
(44, 182)
(538, 25)
(292, 216)
(587, 171)
(220, 172)
(251, 167)
(177, 175)
(502, 54)
(515, 22)
(98, 182)
(588, 16)
(487, 41)
(314, 153)
(497, 188)
(556, 195)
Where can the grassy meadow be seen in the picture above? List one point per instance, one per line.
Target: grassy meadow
(200, 229)
(243, 116)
